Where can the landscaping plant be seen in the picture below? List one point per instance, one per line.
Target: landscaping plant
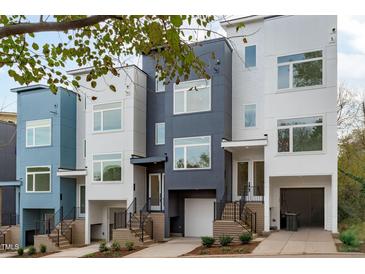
(43, 249)
(20, 251)
(245, 238)
(115, 246)
(349, 238)
(103, 247)
(129, 245)
(225, 240)
(207, 241)
(31, 250)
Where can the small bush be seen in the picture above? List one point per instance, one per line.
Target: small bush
(103, 247)
(129, 245)
(349, 238)
(226, 249)
(115, 246)
(207, 241)
(245, 238)
(225, 240)
(43, 249)
(20, 251)
(31, 250)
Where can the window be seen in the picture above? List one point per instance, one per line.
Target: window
(108, 117)
(107, 167)
(38, 133)
(300, 70)
(250, 115)
(192, 153)
(159, 84)
(300, 134)
(38, 179)
(160, 133)
(82, 199)
(192, 96)
(250, 56)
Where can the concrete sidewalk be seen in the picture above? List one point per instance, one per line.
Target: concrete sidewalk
(171, 249)
(75, 252)
(303, 241)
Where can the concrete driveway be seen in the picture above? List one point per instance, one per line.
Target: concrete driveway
(171, 249)
(303, 241)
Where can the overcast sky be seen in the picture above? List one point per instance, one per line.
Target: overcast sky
(351, 58)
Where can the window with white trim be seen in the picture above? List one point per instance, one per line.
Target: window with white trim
(250, 56)
(38, 179)
(249, 115)
(159, 84)
(107, 167)
(300, 134)
(107, 117)
(38, 133)
(192, 153)
(300, 70)
(160, 133)
(192, 96)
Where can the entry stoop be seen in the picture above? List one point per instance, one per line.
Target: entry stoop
(229, 228)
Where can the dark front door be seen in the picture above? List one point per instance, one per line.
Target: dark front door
(29, 237)
(307, 202)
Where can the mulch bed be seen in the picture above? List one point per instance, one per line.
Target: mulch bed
(343, 248)
(36, 255)
(226, 250)
(113, 254)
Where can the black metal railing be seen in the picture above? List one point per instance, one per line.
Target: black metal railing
(253, 194)
(46, 226)
(145, 222)
(122, 219)
(219, 207)
(249, 218)
(8, 219)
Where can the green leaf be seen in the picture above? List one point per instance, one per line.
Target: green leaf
(176, 20)
(112, 87)
(93, 84)
(35, 46)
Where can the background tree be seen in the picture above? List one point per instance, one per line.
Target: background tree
(99, 41)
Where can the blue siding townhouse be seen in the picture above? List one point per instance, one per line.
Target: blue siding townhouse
(46, 141)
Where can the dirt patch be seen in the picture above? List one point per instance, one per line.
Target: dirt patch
(344, 248)
(113, 254)
(224, 250)
(36, 255)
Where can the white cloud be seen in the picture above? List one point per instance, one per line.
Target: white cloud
(353, 27)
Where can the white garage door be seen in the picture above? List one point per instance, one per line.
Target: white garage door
(199, 216)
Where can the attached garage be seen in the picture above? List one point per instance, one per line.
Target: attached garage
(308, 203)
(199, 217)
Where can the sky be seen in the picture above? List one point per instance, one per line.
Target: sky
(351, 58)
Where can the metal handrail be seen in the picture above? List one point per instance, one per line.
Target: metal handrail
(122, 219)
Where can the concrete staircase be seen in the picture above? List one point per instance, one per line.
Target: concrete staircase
(59, 239)
(137, 231)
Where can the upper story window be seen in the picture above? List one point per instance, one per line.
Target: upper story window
(300, 134)
(192, 96)
(192, 153)
(108, 117)
(107, 167)
(38, 133)
(300, 70)
(250, 56)
(250, 115)
(159, 84)
(38, 179)
(160, 133)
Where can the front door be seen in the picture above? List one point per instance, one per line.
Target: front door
(156, 191)
(250, 180)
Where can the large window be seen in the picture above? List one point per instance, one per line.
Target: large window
(192, 153)
(300, 134)
(38, 133)
(192, 96)
(38, 179)
(250, 115)
(108, 117)
(250, 56)
(107, 167)
(160, 133)
(300, 70)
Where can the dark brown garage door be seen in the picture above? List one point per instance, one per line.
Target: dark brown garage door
(307, 202)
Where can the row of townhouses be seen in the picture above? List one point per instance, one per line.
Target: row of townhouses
(234, 153)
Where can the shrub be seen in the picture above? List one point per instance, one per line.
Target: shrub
(349, 238)
(129, 245)
(20, 251)
(226, 249)
(103, 247)
(115, 246)
(207, 241)
(31, 250)
(245, 238)
(43, 249)
(225, 240)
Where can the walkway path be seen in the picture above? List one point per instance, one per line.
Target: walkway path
(75, 252)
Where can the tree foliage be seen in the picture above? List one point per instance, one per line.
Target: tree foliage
(100, 42)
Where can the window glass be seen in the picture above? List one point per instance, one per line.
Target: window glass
(38, 179)
(179, 157)
(30, 140)
(250, 56)
(192, 152)
(160, 86)
(38, 133)
(112, 171)
(97, 121)
(307, 138)
(259, 178)
(283, 77)
(307, 74)
(197, 157)
(107, 167)
(160, 133)
(108, 117)
(300, 121)
(179, 102)
(107, 156)
(42, 136)
(112, 119)
(30, 182)
(42, 182)
(283, 140)
(82, 199)
(198, 100)
(97, 171)
(299, 57)
(192, 140)
(250, 115)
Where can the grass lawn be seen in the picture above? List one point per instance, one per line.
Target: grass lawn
(224, 250)
(113, 254)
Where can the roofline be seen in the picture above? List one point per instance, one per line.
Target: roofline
(246, 19)
(87, 69)
(28, 88)
(209, 41)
